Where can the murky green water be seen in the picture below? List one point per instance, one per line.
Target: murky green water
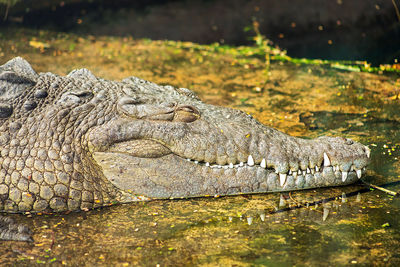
(342, 226)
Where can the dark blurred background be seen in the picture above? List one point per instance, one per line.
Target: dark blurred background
(329, 29)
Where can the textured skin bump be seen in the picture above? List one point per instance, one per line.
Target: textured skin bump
(80, 142)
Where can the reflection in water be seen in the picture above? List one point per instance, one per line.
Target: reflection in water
(340, 225)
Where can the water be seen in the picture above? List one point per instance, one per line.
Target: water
(350, 225)
(269, 229)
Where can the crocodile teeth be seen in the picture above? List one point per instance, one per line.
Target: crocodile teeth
(368, 151)
(207, 164)
(312, 171)
(299, 172)
(308, 170)
(250, 161)
(336, 168)
(359, 173)
(263, 163)
(295, 174)
(304, 173)
(231, 165)
(327, 161)
(282, 178)
(316, 169)
(344, 176)
(241, 164)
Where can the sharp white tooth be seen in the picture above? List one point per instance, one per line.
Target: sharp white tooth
(226, 167)
(196, 161)
(241, 164)
(188, 159)
(295, 174)
(368, 151)
(299, 172)
(312, 171)
(316, 169)
(352, 168)
(207, 164)
(304, 173)
(327, 161)
(308, 170)
(344, 176)
(282, 178)
(219, 166)
(249, 220)
(231, 165)
(263, 163)
(250, 161)
(359, 173)
(290, 172)
(262, 217)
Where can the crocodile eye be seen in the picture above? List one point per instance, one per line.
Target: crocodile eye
(186, 114)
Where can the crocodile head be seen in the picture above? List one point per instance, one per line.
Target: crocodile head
(86, 141)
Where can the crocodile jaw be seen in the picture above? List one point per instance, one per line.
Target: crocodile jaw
(171, 176)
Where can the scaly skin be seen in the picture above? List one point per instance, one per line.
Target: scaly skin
(79, 142)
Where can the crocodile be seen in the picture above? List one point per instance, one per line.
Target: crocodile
(78, 142)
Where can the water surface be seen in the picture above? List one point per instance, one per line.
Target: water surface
(331, 226)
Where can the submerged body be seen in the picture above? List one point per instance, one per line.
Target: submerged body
(79, 142)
